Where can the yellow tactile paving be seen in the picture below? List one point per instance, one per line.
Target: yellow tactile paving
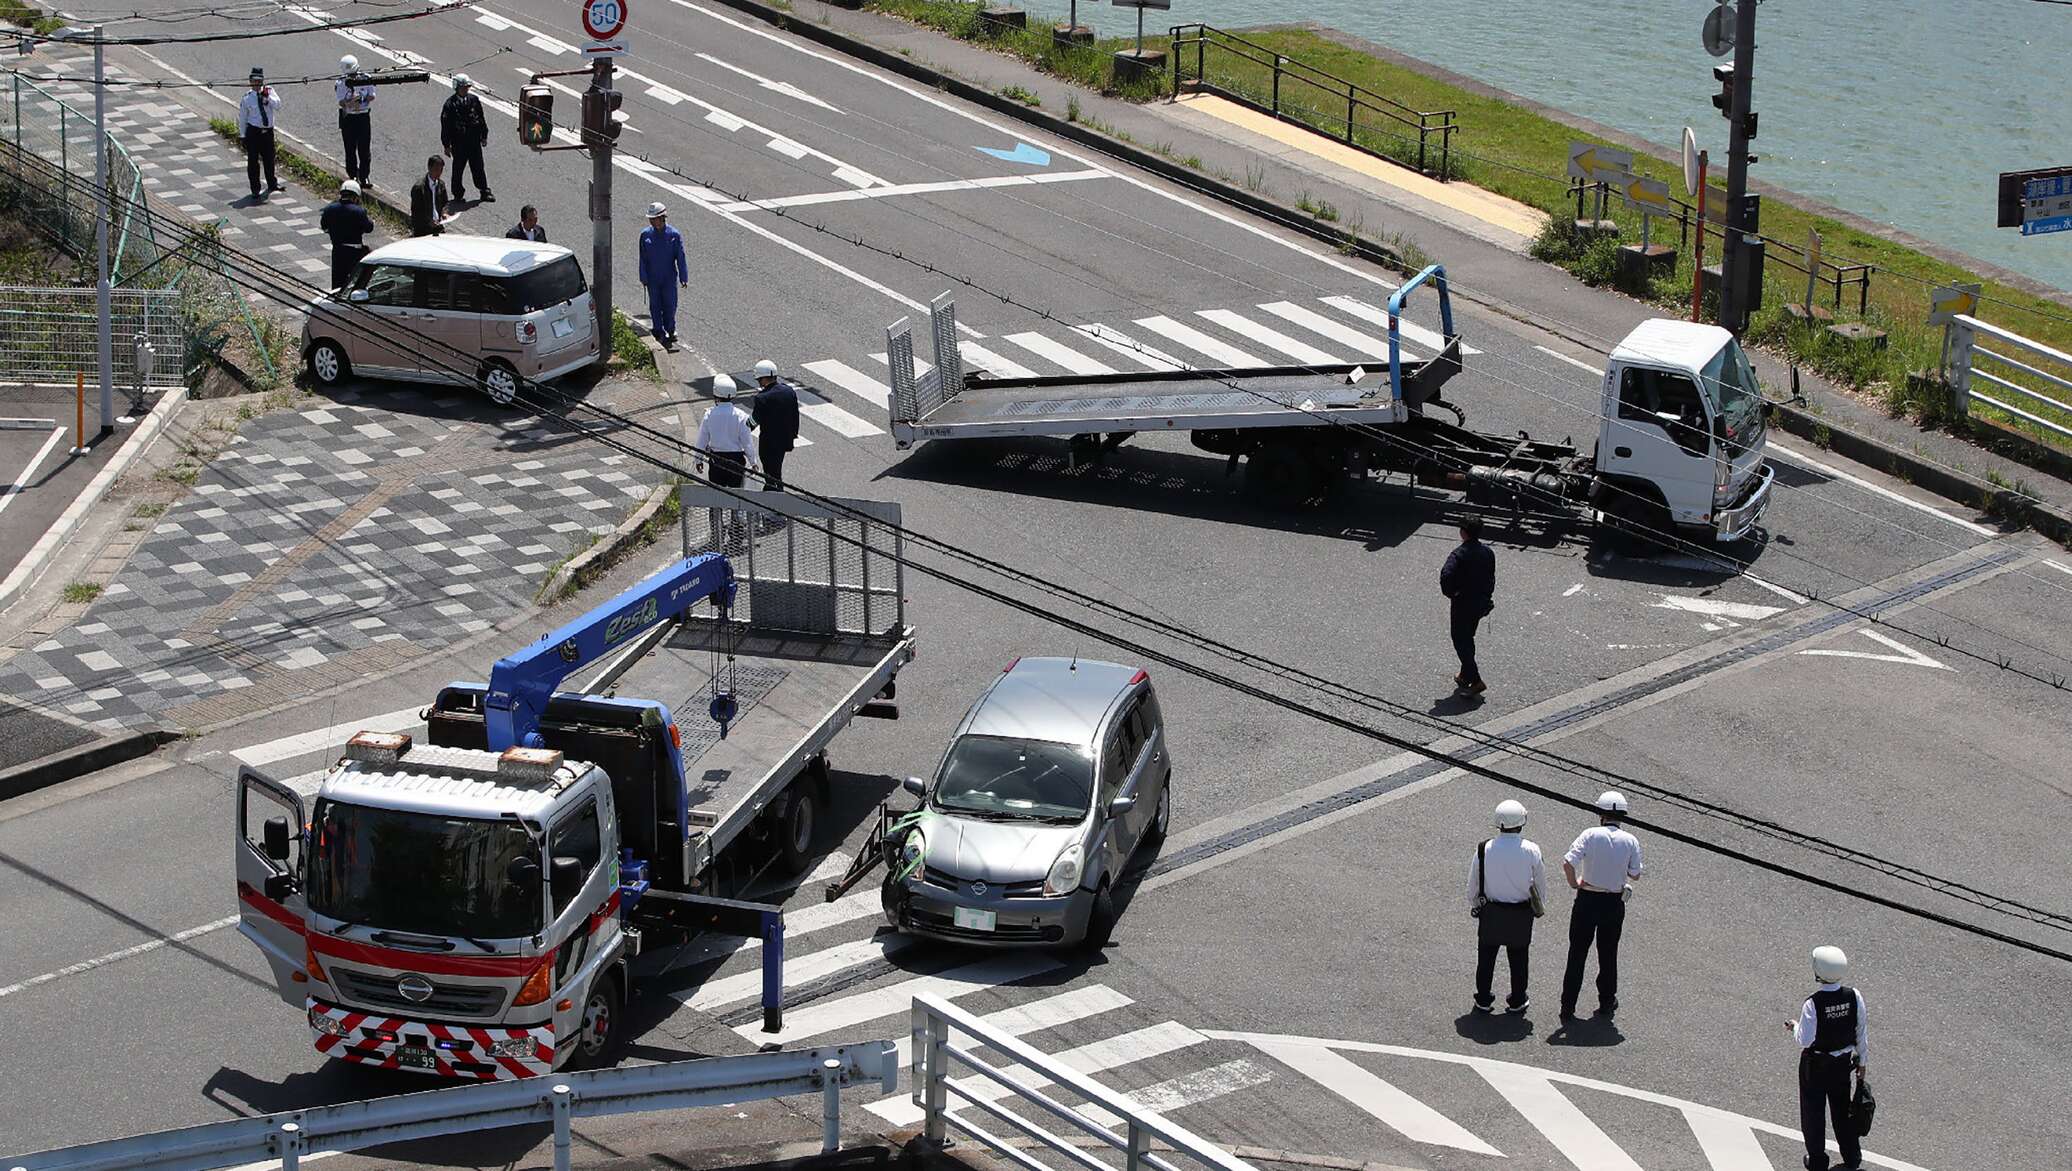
(1508, 214)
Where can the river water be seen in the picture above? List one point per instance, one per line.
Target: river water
(1903, 111)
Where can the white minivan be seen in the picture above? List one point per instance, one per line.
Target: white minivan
(479, 310)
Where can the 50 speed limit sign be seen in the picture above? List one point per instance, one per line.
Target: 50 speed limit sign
(603, 19)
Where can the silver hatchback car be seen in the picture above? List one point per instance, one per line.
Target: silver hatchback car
(1052, 782)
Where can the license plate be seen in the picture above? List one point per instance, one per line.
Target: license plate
(415, 1057)
(972, 920)
(564, 327)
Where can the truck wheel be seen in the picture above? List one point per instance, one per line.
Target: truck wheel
(597, 1046)
(1281, 474)
(1640, 527)
(799, 827)
(1100, 922)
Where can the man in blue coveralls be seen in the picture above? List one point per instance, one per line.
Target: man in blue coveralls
(662, 272)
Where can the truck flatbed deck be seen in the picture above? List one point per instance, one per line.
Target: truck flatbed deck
(1161, 401)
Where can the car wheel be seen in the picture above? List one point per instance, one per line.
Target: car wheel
(800, 825)
(328, 364)
(1164, 820)
(1100, 922)
(597, 1044)
(500, 382)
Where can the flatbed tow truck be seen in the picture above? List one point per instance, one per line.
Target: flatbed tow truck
(1679, 450)
(469, 907)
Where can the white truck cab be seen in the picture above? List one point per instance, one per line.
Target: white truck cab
(1681, 442)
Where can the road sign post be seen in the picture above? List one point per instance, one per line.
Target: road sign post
(1944, 307)
(1698, 246)
(2037, 202)
(1736, 285)
(603, 21)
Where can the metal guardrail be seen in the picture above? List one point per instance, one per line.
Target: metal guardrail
(936, 1026)
(293, 1135)
(1966, 350)
(1307, 88)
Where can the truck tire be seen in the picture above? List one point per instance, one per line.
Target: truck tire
(1639, 526)
(798, 827)
(603, 1030)
(1286, 473)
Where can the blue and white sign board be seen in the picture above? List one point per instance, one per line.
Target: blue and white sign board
(2047, 205)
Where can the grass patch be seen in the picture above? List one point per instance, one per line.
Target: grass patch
(1091, 66)
(150, 510)
(630, 350)
(1022, 94)
(81, 592)
(663, 523)
(30, 17)
(320, 180)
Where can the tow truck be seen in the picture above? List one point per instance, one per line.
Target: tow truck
(469, 906)
(1679, 449)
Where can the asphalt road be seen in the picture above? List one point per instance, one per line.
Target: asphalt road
(39, 477)
(1267, 914)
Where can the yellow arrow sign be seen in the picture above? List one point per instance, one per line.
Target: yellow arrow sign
(1593, 163)
(1949, 301)
(1648, 195)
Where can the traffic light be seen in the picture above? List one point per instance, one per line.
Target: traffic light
(602, 119)
(535, 115)
(614, 119)
(1723, 101)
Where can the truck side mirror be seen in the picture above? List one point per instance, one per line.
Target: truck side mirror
(276, 833)
(523, 872)
(565, 875)
(278, 887)
(915, 785)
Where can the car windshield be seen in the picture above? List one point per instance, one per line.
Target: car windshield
(422, 873)
(995, 777)
(543, 287)
(1738, 397)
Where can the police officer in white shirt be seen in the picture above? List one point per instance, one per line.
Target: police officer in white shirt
(355, 117)
(1833, 1035)
(1600, 868)
(256, 113)
(724, 438)
(1507, 888)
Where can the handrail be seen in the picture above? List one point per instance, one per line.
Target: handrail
(1964, 349)
(290, 1135)
(936, 1021)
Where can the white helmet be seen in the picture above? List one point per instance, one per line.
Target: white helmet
(1830, 964)
(462, 81)
(1510, 815)
(766, 369)
(722, 387)
(1612, 802)
(348, 63)
(656, 209)
(350, 187)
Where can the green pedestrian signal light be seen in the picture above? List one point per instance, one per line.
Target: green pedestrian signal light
(535, 115)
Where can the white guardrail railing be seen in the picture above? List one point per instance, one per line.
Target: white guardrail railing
(1967, 337)
(937, 1026)
(558, 1099)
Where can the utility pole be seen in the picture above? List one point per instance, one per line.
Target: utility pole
(1740, 280)
(104, 295)
(600, 143)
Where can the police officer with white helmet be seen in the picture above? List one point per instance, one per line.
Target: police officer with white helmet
(1600, 867)
(1507, 890)
(1833, 1034)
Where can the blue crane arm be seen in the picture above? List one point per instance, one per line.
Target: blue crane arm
(1436, 273)
(520, 685)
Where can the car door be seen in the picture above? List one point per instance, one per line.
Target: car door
(1153, 770)
(272, 909)
(1661, 432)
(1122, 765)
(452, 318)
(392, 317)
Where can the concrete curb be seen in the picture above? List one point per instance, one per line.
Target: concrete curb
(146, 432)
(77, 762)
(621, 539)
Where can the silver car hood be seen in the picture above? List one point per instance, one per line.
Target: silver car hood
(997, 851)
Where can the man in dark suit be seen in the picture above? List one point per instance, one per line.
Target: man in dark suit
(1469, 580)
(528, 226)
(428, 200)
(776, 422)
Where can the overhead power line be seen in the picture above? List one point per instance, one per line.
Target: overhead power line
(211, 38)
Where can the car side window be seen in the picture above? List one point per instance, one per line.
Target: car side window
(450, 290)
(1125, 742)
(576, 836)
(393, 285)
(495, 294)
(1145, 719)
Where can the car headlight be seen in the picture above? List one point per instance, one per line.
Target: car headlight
(1064, 873)
(513, 1047)
(323, 1023)
(912, 856)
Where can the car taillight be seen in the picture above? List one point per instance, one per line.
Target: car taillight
(528, 332)
(539, 985)
(310, 966)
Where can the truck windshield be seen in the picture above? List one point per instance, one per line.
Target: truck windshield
(1737, 397)
(994, 777)
(420, 872)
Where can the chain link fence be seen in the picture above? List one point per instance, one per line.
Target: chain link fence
(48, 335)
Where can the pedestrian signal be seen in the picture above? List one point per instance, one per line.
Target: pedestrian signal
(535, 115)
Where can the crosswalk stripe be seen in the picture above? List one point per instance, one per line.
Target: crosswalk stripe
(1128, 347)
(1219, 353)
(1192, 1089)
(835, 418)
(1392, 1107)
(288, 747)
(1070, 359)
(1580, 1140)
(846, 1012)
(1729, 1144)
(1267, 336)
(1430, 338)
(920, 367)
(1139, 1045)
(1365, 345)
(1019, 1021)
(742, 987)
(854, 381)
(987, 360)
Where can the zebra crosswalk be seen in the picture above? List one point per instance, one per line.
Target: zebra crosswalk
(850, 399)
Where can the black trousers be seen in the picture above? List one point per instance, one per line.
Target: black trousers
(258, 144)
(1506, 926)
(343, 258)
(464, 159)
(729, 468)
(1600, 917)
(1824, 1089)
(1465, 620)
(357, 131)
(773, 454)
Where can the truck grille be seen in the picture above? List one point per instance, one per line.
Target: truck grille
(446, 1000)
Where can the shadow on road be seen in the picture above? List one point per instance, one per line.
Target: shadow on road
(1493, 1028)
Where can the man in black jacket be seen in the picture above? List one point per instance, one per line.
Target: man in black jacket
(428, 200)
(1469, 579)
(463, 132)
(348, 225)
(528, 226)
(776, 422)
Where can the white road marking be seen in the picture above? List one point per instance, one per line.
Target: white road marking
(1366, 345)
(21, 482)
(884, 190)
(494, 22)
(1138, 1045)
(1391, 1106)
(1729, 1143)
(782, 143)
(847, 1012)
(1203, 1085)
(305, 785)
(2058, 567)
(1573, 590)
(783, 87)
(1048, 1013)
(920, 367)
(987, 360)
(1071, 360)
(123, 954)
(549, 45)
(1267, 336)
(1799, 457)
(1906, 654)
(303, 743)
(854, 381)
(1714, 608)
(1582, 1141)
(1129, 347)
(1578, 363)
(828, 961)
(1408, 329)
(1219, 354)
(835, 418)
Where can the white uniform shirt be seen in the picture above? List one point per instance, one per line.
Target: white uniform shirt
(1605, 857)
(1515, 869)
(354, 99)
(249, 115)
(1808, 1027)
(725, 428)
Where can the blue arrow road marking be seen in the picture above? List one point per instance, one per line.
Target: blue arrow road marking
(1022, 153)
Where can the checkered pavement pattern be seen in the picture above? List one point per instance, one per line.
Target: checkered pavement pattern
(324, 530)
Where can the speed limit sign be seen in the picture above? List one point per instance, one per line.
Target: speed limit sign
(602, 19)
